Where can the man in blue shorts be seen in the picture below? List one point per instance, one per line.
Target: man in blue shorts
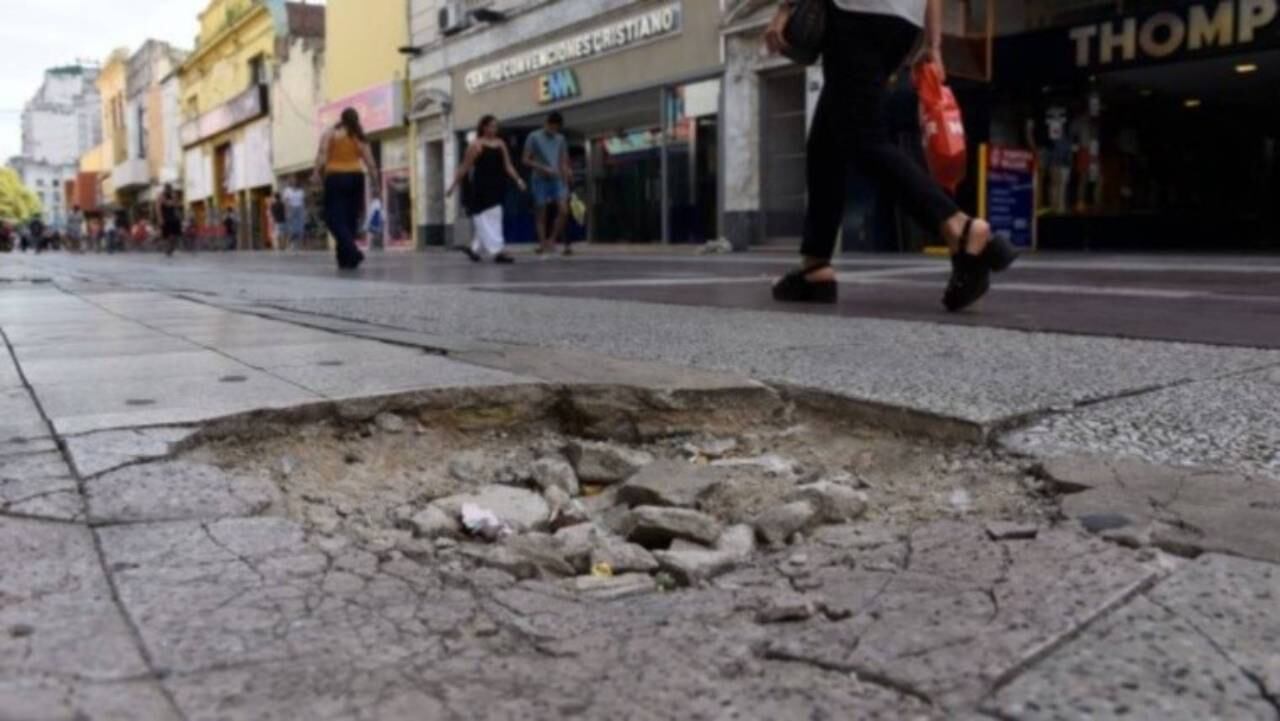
(547, 152)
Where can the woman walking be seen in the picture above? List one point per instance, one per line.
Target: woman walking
(341, 164)
(867, 41)
(487, 167)
(170, 219)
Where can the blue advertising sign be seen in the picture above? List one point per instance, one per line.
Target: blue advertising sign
(1010, 184)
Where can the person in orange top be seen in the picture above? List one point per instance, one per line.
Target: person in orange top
(341, 162)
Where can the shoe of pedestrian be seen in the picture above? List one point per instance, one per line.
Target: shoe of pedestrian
(999, 254)
(970, 280)
(795, 287)
(473, 256)
(503, 259)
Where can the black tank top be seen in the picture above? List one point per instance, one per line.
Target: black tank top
(488, 180)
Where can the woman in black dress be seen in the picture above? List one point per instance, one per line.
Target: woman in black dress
(170, 219)
(487, 167)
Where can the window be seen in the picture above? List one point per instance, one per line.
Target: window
(257, 71)
(142, 133)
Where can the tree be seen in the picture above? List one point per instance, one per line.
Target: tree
(17, 202)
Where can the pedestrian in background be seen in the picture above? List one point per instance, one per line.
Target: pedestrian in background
(170, 212)
(277, 220)
(75, 229)
(341, 162)
(867, 41)
(295, 213)
(547, 152)
(485, 169)
(231, 228)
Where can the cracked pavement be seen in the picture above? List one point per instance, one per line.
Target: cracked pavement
(141, 584)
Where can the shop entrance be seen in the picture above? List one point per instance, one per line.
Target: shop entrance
(1180, 157)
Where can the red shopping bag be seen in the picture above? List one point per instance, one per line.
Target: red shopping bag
(942, 125)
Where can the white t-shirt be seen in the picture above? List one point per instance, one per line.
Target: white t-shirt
(912, 10)
(293, 197)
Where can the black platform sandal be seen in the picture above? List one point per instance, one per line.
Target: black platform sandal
(999, 254)
(795, 287)
(970, 276)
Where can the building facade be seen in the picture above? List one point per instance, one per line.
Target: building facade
(60, 122)
(297, 89)
(227, 130)
(137, 178)
(639, 85)
(366, 70)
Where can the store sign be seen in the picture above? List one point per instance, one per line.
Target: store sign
(620, 35)
(1165, 34)
(1009, 180)
(558, 86)
(246, 106)
(380, 107)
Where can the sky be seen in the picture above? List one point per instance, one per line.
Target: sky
(39, 34)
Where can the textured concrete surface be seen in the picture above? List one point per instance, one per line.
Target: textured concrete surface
(135, 584)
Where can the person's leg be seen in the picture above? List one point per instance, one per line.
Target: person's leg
(562, 217)
(541, 208)
(334, 217)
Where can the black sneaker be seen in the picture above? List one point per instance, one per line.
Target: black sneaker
(970, 280)
(503, 259)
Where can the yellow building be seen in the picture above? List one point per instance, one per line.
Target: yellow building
(111, 88)
(225, 101)
(365, 70)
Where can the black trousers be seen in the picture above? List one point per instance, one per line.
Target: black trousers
(851, 130)
(343, 208)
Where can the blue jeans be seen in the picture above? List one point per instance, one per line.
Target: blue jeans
(548, 190)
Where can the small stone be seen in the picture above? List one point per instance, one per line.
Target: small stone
(669, 483)
(445, 543)
(389, 423)
(770, 463)
(611, 588)
(1099, 522)
(605, 463)
(544, 551)
(737, 542)
(555, 473)
(835, 503)
(484, 627)
(785, 608)
(960, 500)
(479, 468)
(653, 526)
(623, 557)
(565, 510)
(1010, 531)
(692, 567)
(777, 524)
(714, 449)
(434, 522)
(798, 559)
(577, 543)
(520, 509)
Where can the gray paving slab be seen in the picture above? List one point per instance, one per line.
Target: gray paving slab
(39, 485)
(84, 408)
(1225, 423)
(415, 372)
(51, 698)
(256, 337)
(978, 374)
(81, 349)
(9, 377)
(175, 491)
(57, 599)
(1201, 645)
(96, 453)
(20, 419)
(339, 351)
(157, 366)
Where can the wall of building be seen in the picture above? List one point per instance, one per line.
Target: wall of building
(169, 145)
(362, 44)
(297, 90)
(111, 89)
(233, 32)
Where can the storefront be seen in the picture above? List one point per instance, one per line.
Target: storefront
(1153, 131)
(228, 168)
(382, 113)
(639, 90)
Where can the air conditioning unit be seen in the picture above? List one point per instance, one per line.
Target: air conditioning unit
(453, 19)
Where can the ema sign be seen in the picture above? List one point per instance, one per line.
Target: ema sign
(601, 41)
(1198, 27)
(557, 86)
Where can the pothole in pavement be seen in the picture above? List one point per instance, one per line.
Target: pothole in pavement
(531, 489)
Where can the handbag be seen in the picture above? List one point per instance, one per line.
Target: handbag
(942, 125)
(806, 31)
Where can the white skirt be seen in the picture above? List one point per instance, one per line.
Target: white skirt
(488, 240)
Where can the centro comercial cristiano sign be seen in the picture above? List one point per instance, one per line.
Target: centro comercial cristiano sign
(592, 43)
